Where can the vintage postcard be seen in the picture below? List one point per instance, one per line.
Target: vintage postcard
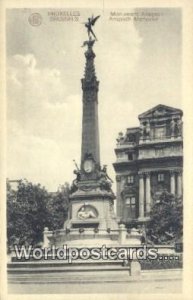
(97, 166)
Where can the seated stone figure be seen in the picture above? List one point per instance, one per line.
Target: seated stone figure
(83, 214)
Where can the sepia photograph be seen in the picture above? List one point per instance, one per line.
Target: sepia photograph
(94, 157)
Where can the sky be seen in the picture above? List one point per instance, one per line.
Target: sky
(138, 64)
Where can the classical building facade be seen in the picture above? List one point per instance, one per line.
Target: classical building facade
(149, 160)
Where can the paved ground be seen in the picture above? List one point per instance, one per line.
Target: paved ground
(139, 287)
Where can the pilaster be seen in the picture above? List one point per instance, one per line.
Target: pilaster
(141, 195)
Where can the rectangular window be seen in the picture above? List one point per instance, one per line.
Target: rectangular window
(160, 177)
(120, 154)
(130, 179)
(127, 201)
(160, 132)
(130, 156)
(130, 208)
(133, 200)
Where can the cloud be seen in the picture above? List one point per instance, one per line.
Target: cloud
(42, 119)
(37, 97)
(24, 70)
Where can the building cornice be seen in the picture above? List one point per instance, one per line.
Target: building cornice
(137, 164)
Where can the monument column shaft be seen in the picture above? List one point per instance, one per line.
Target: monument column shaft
(90, 130)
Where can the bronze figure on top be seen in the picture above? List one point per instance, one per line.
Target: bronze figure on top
(89, 24)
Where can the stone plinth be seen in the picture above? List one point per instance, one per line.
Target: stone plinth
(135, 268)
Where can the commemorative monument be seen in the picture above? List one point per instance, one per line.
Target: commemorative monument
(91, 219)
(91, 200)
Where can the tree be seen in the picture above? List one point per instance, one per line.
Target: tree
(26, 213)
(57, 207)
(30, 208)
(166, 220)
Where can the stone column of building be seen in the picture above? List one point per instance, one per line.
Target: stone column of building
(179, 183)
(119, 200)
(141, 196)
(148, 194)
(172, 182)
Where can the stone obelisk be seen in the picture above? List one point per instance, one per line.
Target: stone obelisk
(90, 129)
(92, 182)
(91, 214)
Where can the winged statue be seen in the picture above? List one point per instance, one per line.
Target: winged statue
(89, 24)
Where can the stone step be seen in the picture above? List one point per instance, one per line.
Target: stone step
(35, 264)
(67, 268)
(71, 277)
(56, 272)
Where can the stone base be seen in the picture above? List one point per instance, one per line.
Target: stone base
(88, 237)
(91, 208)
(81, 237)
(91, 219)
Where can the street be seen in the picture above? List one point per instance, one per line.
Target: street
(137, 287)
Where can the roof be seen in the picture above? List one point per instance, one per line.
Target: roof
(160, 110)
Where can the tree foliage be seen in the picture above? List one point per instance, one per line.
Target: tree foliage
(166, 219)
(57, 207)
(30, 208)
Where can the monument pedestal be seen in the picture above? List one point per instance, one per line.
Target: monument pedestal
(91, 217)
